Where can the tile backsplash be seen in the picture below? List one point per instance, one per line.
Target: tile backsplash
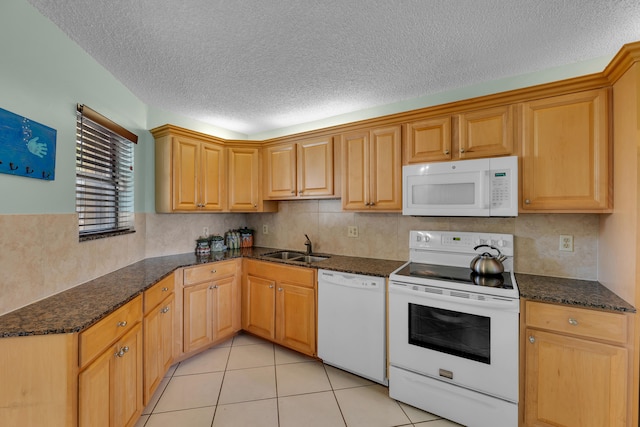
(41, 255)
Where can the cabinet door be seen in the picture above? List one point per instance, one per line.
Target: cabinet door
(428, 141)
(315, 167)
(355, 171)
(385, 169)
(127, 379)
(258, 307)
(280, 170)
(186, 167)
(225, 308)
(574, 382)
(243, 179)
(296, 317)
(198, 328)
(94, 392)
(486, 133)
(565, 162)
(212, 177)
(158, 345)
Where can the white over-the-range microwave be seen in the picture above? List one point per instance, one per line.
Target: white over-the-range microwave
(479, 187)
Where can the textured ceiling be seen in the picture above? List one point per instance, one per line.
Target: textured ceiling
(256, 65)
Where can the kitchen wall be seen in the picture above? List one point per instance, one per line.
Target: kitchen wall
(387, 235)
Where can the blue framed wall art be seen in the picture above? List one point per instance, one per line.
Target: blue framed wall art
(27, 148)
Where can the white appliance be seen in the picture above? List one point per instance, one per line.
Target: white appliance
(453, 335)
(480, 187)
(352, 323)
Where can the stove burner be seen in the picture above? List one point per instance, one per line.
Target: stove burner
(456, 274)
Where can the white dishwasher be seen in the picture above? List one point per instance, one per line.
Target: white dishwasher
(352, 323)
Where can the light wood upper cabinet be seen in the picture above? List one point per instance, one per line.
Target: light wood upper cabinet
(427, 140)
(279, 304)
(575, 374)
(486, 133)
(244, 179)
(372, 170)
(190, 175)
(300, 169)
(565, 154)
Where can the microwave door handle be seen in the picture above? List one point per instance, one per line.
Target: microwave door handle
(486, 196)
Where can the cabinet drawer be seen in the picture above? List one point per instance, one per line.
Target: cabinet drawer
(281, 273)
(208, 272)
(158, 292)
(98, 337)
(578, 321)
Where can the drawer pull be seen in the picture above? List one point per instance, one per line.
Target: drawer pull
(165, 289)
(532, 339)
(213, 287)
(573, 321)
(122, 324)
(165, 310)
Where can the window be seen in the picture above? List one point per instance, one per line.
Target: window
(104, 176)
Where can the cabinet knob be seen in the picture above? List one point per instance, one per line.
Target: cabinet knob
(214, 271)
(573, 321)
(213, 287)
(293, 192)
(255, 205)
(165, 310)
(122, 324)
(300, 192)
(532, 339)
(270, 286)
(279, 289)
(527, 201)
(462, 150)
(165, 289)
(122, 351)
(446, 151)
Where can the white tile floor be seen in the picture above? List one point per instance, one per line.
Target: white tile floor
(250, 382)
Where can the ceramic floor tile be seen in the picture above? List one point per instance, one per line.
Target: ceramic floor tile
(437, 423)
(251, 356)
(370, 406)
(310, 410)
(246, 339)
(190, 391)
(156, 396)
(198, 417)
(299, 378)
(248, 384)
(258, 413)
(341, 379)
(284, 355)
(417, 415)
(212, 360)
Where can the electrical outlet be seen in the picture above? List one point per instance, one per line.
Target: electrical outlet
(205, 231)
(265, 229)
(352, 231)
(566, 243)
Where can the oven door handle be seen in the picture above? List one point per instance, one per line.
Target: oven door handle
(490, 301)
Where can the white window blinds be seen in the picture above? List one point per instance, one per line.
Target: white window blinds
(104, 175)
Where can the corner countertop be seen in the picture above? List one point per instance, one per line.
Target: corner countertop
(76, 309)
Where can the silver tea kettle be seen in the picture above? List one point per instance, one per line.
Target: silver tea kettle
(487, 263)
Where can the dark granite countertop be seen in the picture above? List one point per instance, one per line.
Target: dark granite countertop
(78, 308)
(579, 293)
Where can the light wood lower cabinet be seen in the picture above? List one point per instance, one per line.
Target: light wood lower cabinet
(211, 304)
(159, 326)
(573, 377)
(110, 385)
(279, 304)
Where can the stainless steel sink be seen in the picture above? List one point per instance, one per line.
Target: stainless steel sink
(286, 255)
(295, 256)
(311, 258)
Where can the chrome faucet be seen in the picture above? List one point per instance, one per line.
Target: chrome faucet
(308, 245)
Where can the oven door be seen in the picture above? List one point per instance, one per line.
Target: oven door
(470, 341)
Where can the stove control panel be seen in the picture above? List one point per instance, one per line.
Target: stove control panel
(460, 242)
